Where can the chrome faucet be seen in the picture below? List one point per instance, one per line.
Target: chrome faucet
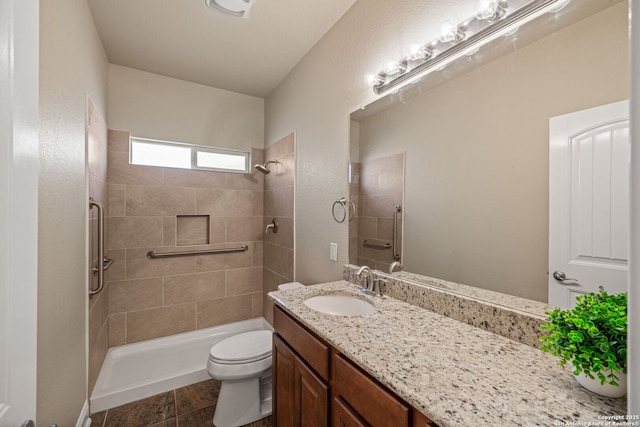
(395, 266)
(371, 284)
(377, 290)
(368, 277)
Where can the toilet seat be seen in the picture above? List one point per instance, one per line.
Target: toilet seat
(243, 348)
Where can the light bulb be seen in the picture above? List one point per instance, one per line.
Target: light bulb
(561, 5)
(440, 68)
(472, 52)
(511, 32)
(375, 79)
(490, 10)
(420, 53)
(449, 32)
(414, 51)
(394, 68)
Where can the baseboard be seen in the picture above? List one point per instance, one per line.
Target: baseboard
(83, 419)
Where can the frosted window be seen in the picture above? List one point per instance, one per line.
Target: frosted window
(221, 161)
(154, 154)
(150, 152)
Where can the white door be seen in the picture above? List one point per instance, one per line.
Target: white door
(18, 209)
(589, 158)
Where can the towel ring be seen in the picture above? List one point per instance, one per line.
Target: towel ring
(350, 211)
(352, 206)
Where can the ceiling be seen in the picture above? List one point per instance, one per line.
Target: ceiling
(187, 40)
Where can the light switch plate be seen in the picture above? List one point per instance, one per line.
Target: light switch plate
(333, 251)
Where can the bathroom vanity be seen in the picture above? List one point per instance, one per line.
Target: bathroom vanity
(404, 365)
(314, 383)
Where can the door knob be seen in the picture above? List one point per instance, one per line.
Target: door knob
(561, 277)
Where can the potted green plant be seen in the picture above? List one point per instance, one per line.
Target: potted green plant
(592, 336)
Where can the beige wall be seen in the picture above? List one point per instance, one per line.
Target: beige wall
(153, 106)
(72, 66)
(279, 192)
(477, 176)
(167, 210)
(97, 138)
(315, 101)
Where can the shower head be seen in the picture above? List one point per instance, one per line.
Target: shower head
(265, 168)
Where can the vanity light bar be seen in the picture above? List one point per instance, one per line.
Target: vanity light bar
(477, 33)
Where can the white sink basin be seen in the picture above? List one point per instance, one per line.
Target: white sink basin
(339, 305)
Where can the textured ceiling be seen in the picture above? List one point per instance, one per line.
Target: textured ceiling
(187, 40)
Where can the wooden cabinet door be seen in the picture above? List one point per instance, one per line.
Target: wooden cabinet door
(345, 417)
(284, 384)
(300, 397)
(313, 397)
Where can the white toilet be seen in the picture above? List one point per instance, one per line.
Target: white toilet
(243, 364)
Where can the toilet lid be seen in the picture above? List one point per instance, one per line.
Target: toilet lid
(243, 348)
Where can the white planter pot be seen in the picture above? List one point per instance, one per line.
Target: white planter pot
(607, 390)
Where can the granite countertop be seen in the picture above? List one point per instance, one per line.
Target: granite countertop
(533, 308)
(454, 373)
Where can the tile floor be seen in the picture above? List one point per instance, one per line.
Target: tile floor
(190, 406)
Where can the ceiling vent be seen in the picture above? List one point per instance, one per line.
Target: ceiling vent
(236, 8)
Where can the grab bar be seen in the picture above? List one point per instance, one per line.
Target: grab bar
(154, 254)
(396, 255)
(108, 261)
(368, 244)
(103, 262)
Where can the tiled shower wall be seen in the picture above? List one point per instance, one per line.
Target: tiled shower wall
(279, 204)
(97, 161)
(167, 210)
(381, 186)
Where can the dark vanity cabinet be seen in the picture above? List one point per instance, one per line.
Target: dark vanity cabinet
(357, 397)
(314, 385)
(300, 375)
(302, 397)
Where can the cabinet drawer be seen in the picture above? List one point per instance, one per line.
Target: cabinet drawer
(420, 420)
(311, 349)
(368, 399)
(344, 417)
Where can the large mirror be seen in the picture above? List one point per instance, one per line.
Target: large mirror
(474, 142)
(376, 189)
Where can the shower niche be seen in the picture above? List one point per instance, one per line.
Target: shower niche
(193, 230)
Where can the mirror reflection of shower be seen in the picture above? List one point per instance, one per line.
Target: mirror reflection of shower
(377, 189)
(265, 167)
